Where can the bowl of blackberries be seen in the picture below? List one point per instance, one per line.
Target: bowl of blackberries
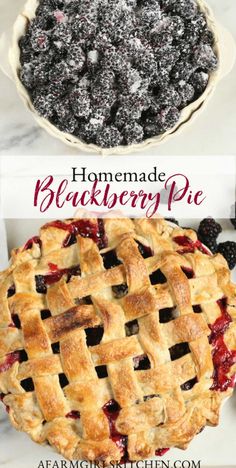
(115, 76)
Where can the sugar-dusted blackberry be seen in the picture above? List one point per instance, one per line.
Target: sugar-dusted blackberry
(195, 28)
(61, 72)
(40, 41)
(76, 57)
(186, 92)
(228, 250)
(44, 22)
(185, 8)
(151, 127)
(101, 41)
(161, 33)
(62, 108)
(102, 102)
(58, 88)
(45, 7)
(184, 48)
(130, 79)
(148, 14)
(126, 113)
(161, 78)
(182, 71)
(169, 97)
(67, 125)
(44, 105)
(27, 75)
(62, 36)
(83, 27)
(109, 137)
(124, 28)
(113, 59)
(207, 37)
(204, 57)
(167, 56)
(89, 131)
(26, 52)
(146, 62)
(199, 80)
(168, 118)
(209, 229)
(178, 26)
(80, 102)
(41, 73)
(233, 215)
(104, 79)
(133, 133)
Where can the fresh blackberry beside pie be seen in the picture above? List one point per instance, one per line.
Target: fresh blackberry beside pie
(117, 338)
(114, 72)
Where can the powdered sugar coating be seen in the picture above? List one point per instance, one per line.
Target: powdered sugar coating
(115, 72)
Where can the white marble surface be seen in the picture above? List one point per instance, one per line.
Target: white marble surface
(212, 133)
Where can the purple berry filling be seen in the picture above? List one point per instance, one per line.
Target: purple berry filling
(116, 72)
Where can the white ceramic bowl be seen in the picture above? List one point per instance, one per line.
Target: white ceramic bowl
(187, 114)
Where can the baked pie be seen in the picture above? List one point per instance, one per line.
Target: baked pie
(117, 337)
(114, 73)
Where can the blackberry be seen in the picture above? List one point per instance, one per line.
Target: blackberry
(169, 97)
(89, 131)
(44, 105)
(67, 125)
(211, 243)
(186, 92)
(60, 72)
(120, 291)
(228, 250)
(126, 113)
(182, 71)
(204, 57)
(76, 58)
(27, 75)
(233, 219)
(133, 133)
(41, 73)
(199, 81)
(118, 69)
(168, 118)
(113, 59)
(209, 229)
(130, 79)
(40, 41)
(62, 36)
(83, 27)
(151, 127)
(80, 102)
(109, 137)
(167, 56)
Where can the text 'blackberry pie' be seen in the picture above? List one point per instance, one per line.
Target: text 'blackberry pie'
(117, 338)
(114, 76)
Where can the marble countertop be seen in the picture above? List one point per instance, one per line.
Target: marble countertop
(213, 132)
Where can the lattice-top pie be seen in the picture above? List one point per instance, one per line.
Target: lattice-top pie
(117, 337)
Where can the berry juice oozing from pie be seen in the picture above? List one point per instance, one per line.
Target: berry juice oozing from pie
(135, 331)
(116, 73)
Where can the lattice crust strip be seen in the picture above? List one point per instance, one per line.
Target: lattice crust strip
(113, 335)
